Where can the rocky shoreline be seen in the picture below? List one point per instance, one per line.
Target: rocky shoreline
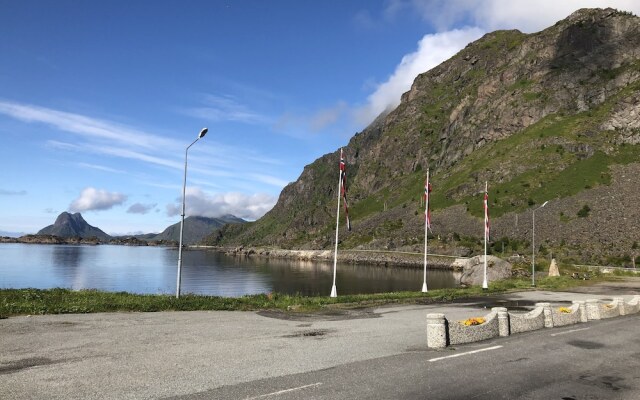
(372, 257)
(76, 240)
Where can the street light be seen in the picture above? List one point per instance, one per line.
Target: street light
(533, 257)
(184, 186)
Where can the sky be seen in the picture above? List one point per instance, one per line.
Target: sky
(100, 99)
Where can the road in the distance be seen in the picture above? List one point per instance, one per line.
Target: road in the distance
(599, 360)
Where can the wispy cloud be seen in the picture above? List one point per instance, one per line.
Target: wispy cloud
(226, 108)
(84, 126)
(92, 199)
(5, 192)
(270, 180)
(100, 168)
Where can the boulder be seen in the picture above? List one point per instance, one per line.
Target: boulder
(473, 270)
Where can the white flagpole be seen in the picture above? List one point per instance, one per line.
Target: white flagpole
(426, 227)
(486, 205)
(334, 292)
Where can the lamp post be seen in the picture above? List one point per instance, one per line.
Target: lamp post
(184, 186)
(533, 257)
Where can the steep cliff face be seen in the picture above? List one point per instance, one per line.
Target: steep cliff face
(553, 115)
(73, 225)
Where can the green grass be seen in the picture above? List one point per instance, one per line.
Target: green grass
(64, 301)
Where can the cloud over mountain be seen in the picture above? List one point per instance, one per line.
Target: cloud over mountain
(92, 199)
(199, 203)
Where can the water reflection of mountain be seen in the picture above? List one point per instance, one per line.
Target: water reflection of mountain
(65, 260)
(233, 276)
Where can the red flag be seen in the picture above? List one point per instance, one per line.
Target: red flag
(486, 213)
(343, 188)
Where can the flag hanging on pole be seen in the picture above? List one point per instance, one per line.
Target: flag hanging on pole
(486, 212)
(343, 188)
(427, 210)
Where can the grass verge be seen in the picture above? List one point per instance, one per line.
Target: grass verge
(15, 302)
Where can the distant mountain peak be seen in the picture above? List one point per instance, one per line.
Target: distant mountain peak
(73, 225)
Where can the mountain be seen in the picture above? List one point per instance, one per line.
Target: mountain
(73, 225)
(196, 228)
(553, 115)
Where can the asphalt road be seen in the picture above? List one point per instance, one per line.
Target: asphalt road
(373, 353)
(600, 360)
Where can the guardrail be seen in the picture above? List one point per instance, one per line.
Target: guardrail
(500, 322)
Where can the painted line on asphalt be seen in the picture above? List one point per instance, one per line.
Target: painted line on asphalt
(279, 392)
(571, 331)
(465, 354)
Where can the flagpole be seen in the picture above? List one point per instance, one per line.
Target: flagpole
(426, 228)
(334, 292)
(486, 217)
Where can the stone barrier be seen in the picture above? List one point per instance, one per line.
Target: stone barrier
(460, 333)
(499, 322)
(562, 318)
(531, 321)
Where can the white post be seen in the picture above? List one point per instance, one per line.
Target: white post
(334, 292)
(533, 250)
(533, 242)
(486, 206)
(426, 233)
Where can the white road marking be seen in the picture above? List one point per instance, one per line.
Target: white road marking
(464, 354)
(571, 331)
(279, 392)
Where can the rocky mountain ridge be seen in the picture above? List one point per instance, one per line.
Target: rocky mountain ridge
(553, 115)
(73, 229)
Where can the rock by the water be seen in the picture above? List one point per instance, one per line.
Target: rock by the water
(473, 270)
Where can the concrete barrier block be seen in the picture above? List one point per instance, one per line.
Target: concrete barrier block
(562, 318)
(593, 309)
(436, 331)
(459, 333)
(531, 321)
(610, 310)
(548, 319)
(503, 320)
(633, 306)
(582, 309)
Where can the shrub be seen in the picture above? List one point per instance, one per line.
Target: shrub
(584, 211)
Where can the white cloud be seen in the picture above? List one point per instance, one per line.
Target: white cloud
(92, 199)
(139, 208)
(199, 203)
(432, 50)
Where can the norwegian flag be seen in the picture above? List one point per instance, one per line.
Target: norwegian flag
(343, 188)
(486, 213)
(427, 210)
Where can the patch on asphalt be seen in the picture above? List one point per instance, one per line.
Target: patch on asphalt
(613, 383)
(585, 344)
(310, 333)
(324, 315)
(18, 365)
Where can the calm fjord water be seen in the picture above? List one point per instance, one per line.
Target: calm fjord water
(153, 270)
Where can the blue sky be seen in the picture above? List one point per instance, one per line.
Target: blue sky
(98, 99)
